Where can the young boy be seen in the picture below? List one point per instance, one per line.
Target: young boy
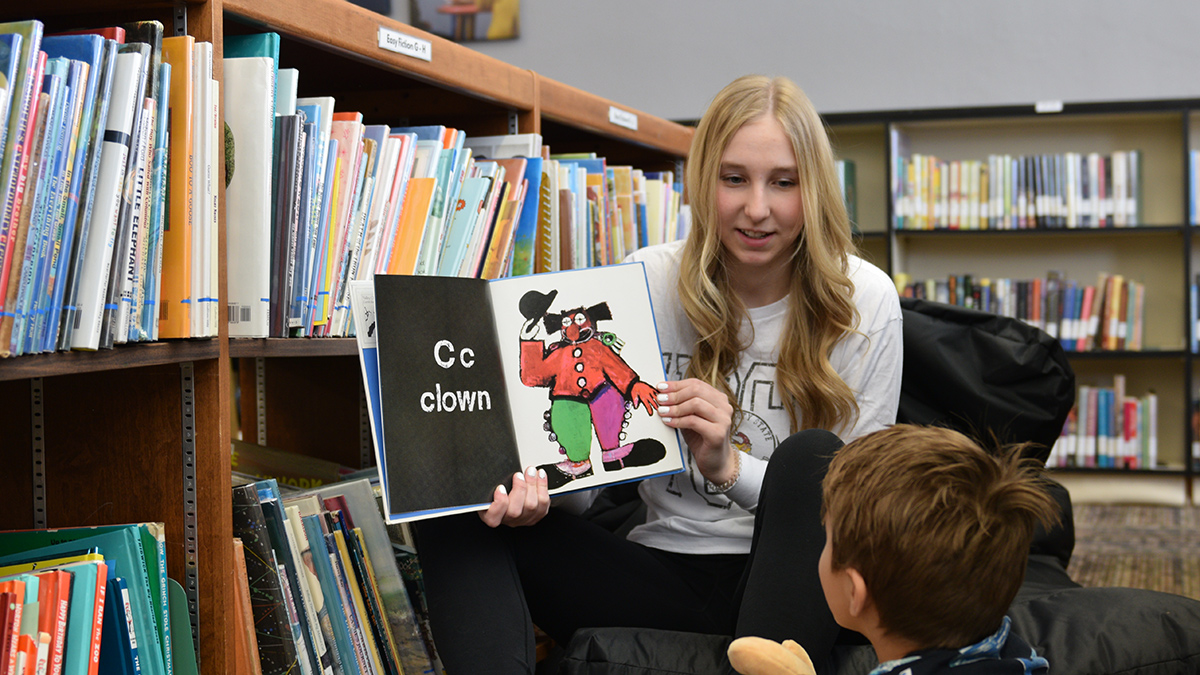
(925, 548)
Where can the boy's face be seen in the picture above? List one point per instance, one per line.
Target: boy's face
(837, 584)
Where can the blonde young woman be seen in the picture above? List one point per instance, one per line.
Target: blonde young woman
(769, 326)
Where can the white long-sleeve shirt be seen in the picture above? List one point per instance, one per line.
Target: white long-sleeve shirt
(684, 517)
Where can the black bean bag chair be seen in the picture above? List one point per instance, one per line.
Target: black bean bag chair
(1001, 381)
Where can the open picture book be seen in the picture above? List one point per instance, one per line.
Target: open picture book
(470, 381)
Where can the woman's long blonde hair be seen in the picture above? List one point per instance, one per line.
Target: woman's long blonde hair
(820, 309)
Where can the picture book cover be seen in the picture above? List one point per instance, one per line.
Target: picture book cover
(482, 379)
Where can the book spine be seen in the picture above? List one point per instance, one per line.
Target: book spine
(83, 224)
(101, 593)
(18, 145)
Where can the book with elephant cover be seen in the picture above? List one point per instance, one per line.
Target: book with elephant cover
(480, 379)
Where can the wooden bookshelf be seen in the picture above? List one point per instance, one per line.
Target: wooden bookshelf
(143, 432)
(1159, 253)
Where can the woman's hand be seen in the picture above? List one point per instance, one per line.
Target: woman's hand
(705, 416)
(528, 503)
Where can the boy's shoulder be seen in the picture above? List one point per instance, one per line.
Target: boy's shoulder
(1002, 653)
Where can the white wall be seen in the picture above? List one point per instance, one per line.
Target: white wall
(669, 57)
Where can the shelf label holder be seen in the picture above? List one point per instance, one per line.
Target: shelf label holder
(394, 41)
(622, 118)
(1048, 107)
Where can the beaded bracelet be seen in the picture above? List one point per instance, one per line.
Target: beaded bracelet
(727, 485)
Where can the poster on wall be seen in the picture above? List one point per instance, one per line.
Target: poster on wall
(457, 20)
(467, 20)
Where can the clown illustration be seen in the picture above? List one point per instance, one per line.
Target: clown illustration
(592, 389)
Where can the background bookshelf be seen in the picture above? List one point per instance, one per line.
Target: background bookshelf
(143, 432)
(1159, 253)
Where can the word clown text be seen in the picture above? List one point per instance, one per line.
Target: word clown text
(437, 400)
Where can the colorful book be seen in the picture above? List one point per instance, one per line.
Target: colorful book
(125, 549)
(119, 654)
(417, 204)
(468, 379)
(37, 209)
(14, 158)
(24, 211)
(364, 516)
(276, 646)
(91, 50)
(467, 214)
(174, 306)
(245, 644)
(312, 579)
(526, 229)
(326, 582)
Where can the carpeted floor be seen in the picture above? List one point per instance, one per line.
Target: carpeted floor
(1152, 547)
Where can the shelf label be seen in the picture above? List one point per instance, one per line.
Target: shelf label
(622, 118)
(405, 44)
(1044, 107)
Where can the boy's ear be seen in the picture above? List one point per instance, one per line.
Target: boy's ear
(860, 597)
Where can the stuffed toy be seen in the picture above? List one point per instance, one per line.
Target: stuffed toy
(760, 656)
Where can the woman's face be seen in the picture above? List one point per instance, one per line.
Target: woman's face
(759, 206)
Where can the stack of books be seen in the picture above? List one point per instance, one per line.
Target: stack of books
(1108, 429)
(78, 601)
(1007, 192)
(1106, 316)
(96, 246)
(317, 584)
(319, 199)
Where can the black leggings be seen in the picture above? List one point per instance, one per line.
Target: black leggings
(486, 587)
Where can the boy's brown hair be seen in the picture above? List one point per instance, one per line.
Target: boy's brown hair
(938, 528)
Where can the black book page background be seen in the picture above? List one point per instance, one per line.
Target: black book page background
(441, 459)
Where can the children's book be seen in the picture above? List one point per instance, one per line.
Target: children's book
(276, 644)
(525, 230)
(23, 90)
(90, 195)
(174, 302)
(89, 49)
(118, 643)
(361, 509)
(480, 380)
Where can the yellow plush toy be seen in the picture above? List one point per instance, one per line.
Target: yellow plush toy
(760, 656)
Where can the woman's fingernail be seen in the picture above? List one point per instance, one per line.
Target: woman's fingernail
(503, 491)
(666, 419)
(532, 471)
(519, 476)
(662, 398)
(661, 385)
(664, 409)
(542, 474)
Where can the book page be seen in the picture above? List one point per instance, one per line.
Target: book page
(581, 359)
(447, 433)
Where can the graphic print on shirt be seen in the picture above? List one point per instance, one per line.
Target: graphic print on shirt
(756, 391)
(592, 389)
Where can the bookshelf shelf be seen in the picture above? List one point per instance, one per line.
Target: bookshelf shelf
(1148, 354)
(291, 347)
(142, 432)
(1159, 253)
(1118, 232)
(583, 111)
(353, 32)
(1091, 471)
(118, 358)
